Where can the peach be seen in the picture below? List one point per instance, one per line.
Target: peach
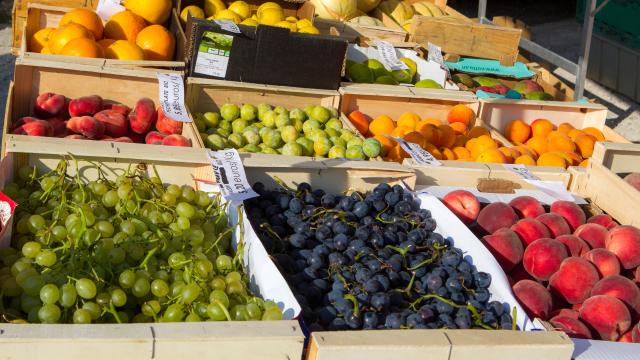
(167, 125)
(518, 273)
(496, 216)
(463, 204)
(556, 224)
(137, 138)
(574, 279)
(565, 313)
(122, 139)
(543, 257)
(633, 179)
(49, 105)
(534, 298)
(604, 220)
(154, 138)
(626, 337)
(635, 333)
(624, 241)
(595, 235)
(505, 246)
(571, 326)
(75, 137)
(115, 123)
(604, 260)
(541, 127)
(575, 246)
(176, 140)
(527, 207)
(33, 127)
(461, 113)
(87, 126)
(59, 127)
(142, 116)
(117, 107)
(606, 316)
(571, 212)
(529, 230)
(619, 287)
(86, 105)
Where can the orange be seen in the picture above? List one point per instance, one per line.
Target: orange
(510, 153)
(432, 121)
(461, 140)
(105, 43)
(429, 131)
(448, 154)
(387, 143)
(462, 153)
(538, 144)
(400, 131)
(491, 156)
(557, 141)
(524, 160)
(153, 11)
(124, 25)
(552, 159)
(518, 131)
(62, 35)
(157, 43)
(39, 40)
(595, 133)
(447, 136)
(584, 163)
(409, 120)
(483, 143)
(459, 128)
(87, 18)
(415, 137)
(382, 125)
(461, 113)
(477, 131)
(573, 133)
(541, 127)
(360, 121)
(585, 144)
(124, 50)
(46, 50)
(83, 47)
(565, 128)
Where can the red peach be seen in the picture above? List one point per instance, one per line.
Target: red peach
(571, 326)
(34, 128)
(519, 273)
(49, 105)
(59, 127)
(574, 280)
(24, 120)
(137, 138)
(575, 246)
(154, 138)
(571, 212)
(167, 125)
(636, 275)
(142, 116)
(594, 234)
(624, 241)
(565, 313)
(117, 107)
(604, 260)
(505, 245)
(626, 337)
(122, 139)
(635, 333)
(496, 216)
(606, 316)
(604, 220)
(530, 230)
(86, 126)
(556, 224)
(463, 204)
(105, 138)
(619, 287)
(76, 137)
(115, 124)
(534, 298)
(633, 179)
(176, 140)
(527, 207)
(543, 257)
(576, 307)
(86, 105)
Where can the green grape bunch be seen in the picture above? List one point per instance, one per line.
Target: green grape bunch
(129, 250)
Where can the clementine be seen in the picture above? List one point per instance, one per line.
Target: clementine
(157, 43)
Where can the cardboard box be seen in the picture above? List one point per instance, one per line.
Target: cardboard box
(264, 55)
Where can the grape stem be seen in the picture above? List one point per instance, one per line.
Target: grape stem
(223, 308)
(350, 297)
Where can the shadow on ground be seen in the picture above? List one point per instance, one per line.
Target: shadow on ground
(6, 75)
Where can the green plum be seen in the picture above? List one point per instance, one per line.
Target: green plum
(248, 112)
(347, 135)
(282, 120)
(198, 120)
(289, 133)
(211, 119)
(236, 140)
(252, 148)
(334, 123)
(308, 110)
(321, 146)
(332, 132)
(372, 147)
(263, 130)
(307, 146)
(320, 113)
(292, 148)
(297, 123)
(262, 109)
(336, 140)
(336, 151)
(238, 125)
(223, 132)
(334, 112)
(315, 134)
(281, 110)
(297, 114)
(251, 136)
(355, 152)
(225, 124)
(310, 124)
(268, 150)
(230, 112)
(269, 119)
(356, 141)
(215, 142)
(272, 139)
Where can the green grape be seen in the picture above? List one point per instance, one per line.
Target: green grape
(72, 220)
(105, 228)
(188, 194)
(239, 313)
(202, 199)
(110, 199)
(159, 288)
(23, 275)
(101, 213)
(218, 283)
(128, 227)
(20, 265)
(25, 172)
(167, 218)
(78, 196)
(89, 217)
(174, 190)
(118, 297)
(141, 319)
(32, 285)
(99, 188)
(215, 312)
(173, 313)
(23, 225)
(177, 260)
(136, 252)
(253, 311)
(183, 223)
(161, 275)
(35, 223)
(90, 236)
(86, 288)
(49, 314)
(272, 314)
(185, 210)
(93, 309)
(120, 237)
(190, 293)
(220, 296)
(201, 309)
(82, 316)
(192, 317)
(123, 191)
(31, 249)
(131, 206)
(140, 287)
(117, 255)
(151, 308)
(32, 317)
(235, 288)
(59, 232)
(176, 288)
(232, 276)
(203, 267)
(48, 183)
(103, 299)
(224, 264)
(49, 294)
(68, 295)
(140, 226)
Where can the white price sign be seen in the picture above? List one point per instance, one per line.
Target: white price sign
(228, 25)
(388, 55)
(171, 87)
(435, 54)
(230, 175)
(417, 153)
(522, 171)
(556, 189)
(107, 8)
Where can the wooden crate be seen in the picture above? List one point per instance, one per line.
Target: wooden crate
(41, 16)
(439, 344)
(359, 33)
(33, 77)
(254, 340)
(603, 181)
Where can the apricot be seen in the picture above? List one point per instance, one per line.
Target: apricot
(492, 156)
(447, 136)
(429, 132)
(595, 133)
(482, 144)
(448, 154)
(525, 160)
(509, 153)
(477, 131)
(459, 128)
(409, 119)
(462, 153)
(382, 125)
(585, 144)
(550, 159)
(538, 144)
(518, 131)
(557, 141)
(461, 113)
(565, 128)
(461, 140)
(541, 127)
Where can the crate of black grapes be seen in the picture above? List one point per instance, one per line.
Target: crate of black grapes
(131, 258)
(385, 258)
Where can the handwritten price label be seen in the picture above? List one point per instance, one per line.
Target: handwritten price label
(417, 153)
(171, 97)
(388, 55)
(230, 175)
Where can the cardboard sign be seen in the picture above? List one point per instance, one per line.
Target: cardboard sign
(107, 8)
(389, 57)
(171, 96)
(417, 153)
(230, 175)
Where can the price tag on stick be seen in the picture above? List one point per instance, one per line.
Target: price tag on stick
(555, 189)
(388, 55)
(107, 8)
(230, 175)
(417, 153)
(171, 87)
